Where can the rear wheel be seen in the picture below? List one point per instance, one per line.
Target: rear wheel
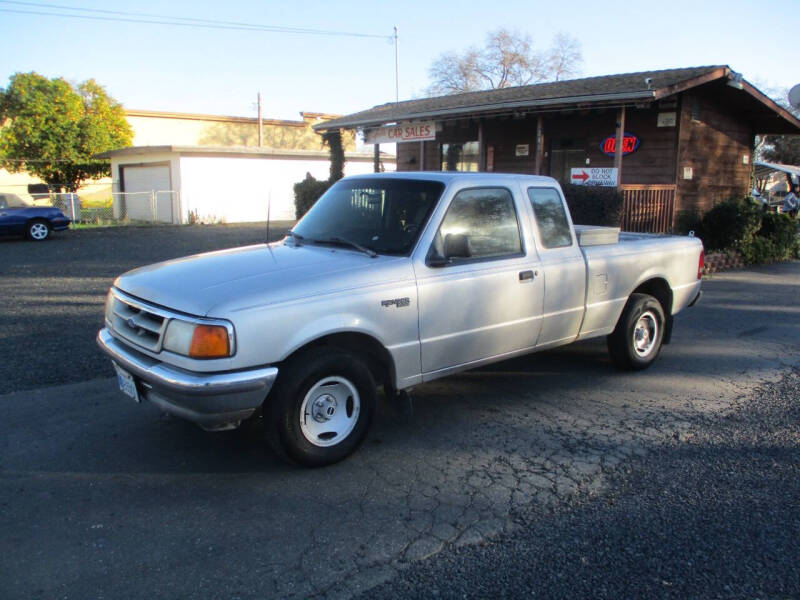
(321, 407)
(38, 230)
(637, 338)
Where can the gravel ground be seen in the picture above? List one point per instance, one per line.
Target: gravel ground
(712, 514)
(52, 293)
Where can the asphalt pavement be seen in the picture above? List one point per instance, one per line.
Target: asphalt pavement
(52, 292)
(712, 513)
(550, 475)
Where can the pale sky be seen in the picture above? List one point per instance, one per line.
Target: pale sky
(203, 70)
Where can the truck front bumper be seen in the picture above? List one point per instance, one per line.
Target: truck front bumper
(215, 401)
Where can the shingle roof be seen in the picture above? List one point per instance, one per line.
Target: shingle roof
(627, 86)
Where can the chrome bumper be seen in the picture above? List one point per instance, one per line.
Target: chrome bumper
(212, 400)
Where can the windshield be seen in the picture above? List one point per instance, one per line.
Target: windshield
(12, 201)
(383, 215)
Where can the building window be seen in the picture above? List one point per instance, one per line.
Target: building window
(566, 154)
(459, 157)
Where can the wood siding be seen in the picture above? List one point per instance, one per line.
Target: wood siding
(712, 143)
(710, 137)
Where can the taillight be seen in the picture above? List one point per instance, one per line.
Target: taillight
(701, 264)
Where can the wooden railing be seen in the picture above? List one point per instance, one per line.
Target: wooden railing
(647, 208)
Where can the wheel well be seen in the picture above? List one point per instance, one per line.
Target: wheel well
(374, 353)
(659, 289)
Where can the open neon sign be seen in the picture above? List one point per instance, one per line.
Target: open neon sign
(630, 143)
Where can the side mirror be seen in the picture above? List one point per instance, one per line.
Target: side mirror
(456, 245)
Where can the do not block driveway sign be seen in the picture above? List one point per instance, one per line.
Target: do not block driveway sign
(594, 176)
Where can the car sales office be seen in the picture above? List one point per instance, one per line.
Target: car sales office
(672, 140)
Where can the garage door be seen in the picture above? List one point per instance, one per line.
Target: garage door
(147, 193)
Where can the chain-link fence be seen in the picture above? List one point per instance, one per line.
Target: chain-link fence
(97, 204)
(154, 206)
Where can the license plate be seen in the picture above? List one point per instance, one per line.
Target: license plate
(126, 383)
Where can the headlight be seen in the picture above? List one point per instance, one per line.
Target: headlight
(198, 340)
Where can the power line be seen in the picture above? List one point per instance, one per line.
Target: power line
(155, 19)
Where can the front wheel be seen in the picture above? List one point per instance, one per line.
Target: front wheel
(38, 231)
(321, 407)
(636, 341)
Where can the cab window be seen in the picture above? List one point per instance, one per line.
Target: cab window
(482, 223)
(551, 218)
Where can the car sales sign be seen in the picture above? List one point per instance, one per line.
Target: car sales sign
(417, 131)
(586, 176)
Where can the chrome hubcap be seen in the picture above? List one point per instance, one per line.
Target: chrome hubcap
(645, 334)
(329, 411)
(38, 231)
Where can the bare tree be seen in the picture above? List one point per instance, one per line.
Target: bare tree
(564, 59)
(507, 59)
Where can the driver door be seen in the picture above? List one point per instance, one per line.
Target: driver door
(485, 305)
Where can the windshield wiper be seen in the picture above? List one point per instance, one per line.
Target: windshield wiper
(345, 242)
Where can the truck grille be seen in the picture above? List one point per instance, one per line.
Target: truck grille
(136, 322)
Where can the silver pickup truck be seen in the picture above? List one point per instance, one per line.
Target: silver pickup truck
(391, 279)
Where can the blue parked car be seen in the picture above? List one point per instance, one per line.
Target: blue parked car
(36, 222)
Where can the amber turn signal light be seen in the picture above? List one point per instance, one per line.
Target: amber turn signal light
(210, 341)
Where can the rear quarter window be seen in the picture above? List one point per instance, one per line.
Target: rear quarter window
(551, 218)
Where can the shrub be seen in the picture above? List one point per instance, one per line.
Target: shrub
(775, 240)
(782, 230)
(593, 205)
(689, 220)
(761, 250)
(731, 224)
(306, 193)
(739, 224)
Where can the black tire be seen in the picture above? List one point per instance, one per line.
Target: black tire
(38, 230)
(332, 389)
(636, 341)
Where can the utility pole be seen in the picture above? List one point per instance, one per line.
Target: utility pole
(396, 72)
(260, 128)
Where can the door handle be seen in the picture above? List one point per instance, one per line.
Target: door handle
(526, 275)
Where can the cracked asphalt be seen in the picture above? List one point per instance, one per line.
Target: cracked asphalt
(102, 498)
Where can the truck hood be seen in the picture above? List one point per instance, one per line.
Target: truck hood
(217, 283)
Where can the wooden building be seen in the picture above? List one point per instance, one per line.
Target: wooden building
(672, 140)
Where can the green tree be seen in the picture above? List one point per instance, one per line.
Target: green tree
(52, 129)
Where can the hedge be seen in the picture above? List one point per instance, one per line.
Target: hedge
(593, 205)
(306, 193)
(740, 224)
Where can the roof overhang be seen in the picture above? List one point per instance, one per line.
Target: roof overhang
(764, 169)
(763, 113)
(495, 109)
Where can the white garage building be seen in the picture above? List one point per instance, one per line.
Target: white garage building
(181, 184)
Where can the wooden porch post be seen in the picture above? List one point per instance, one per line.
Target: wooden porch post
(481, 147)
(537, 169)
(618, 146)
